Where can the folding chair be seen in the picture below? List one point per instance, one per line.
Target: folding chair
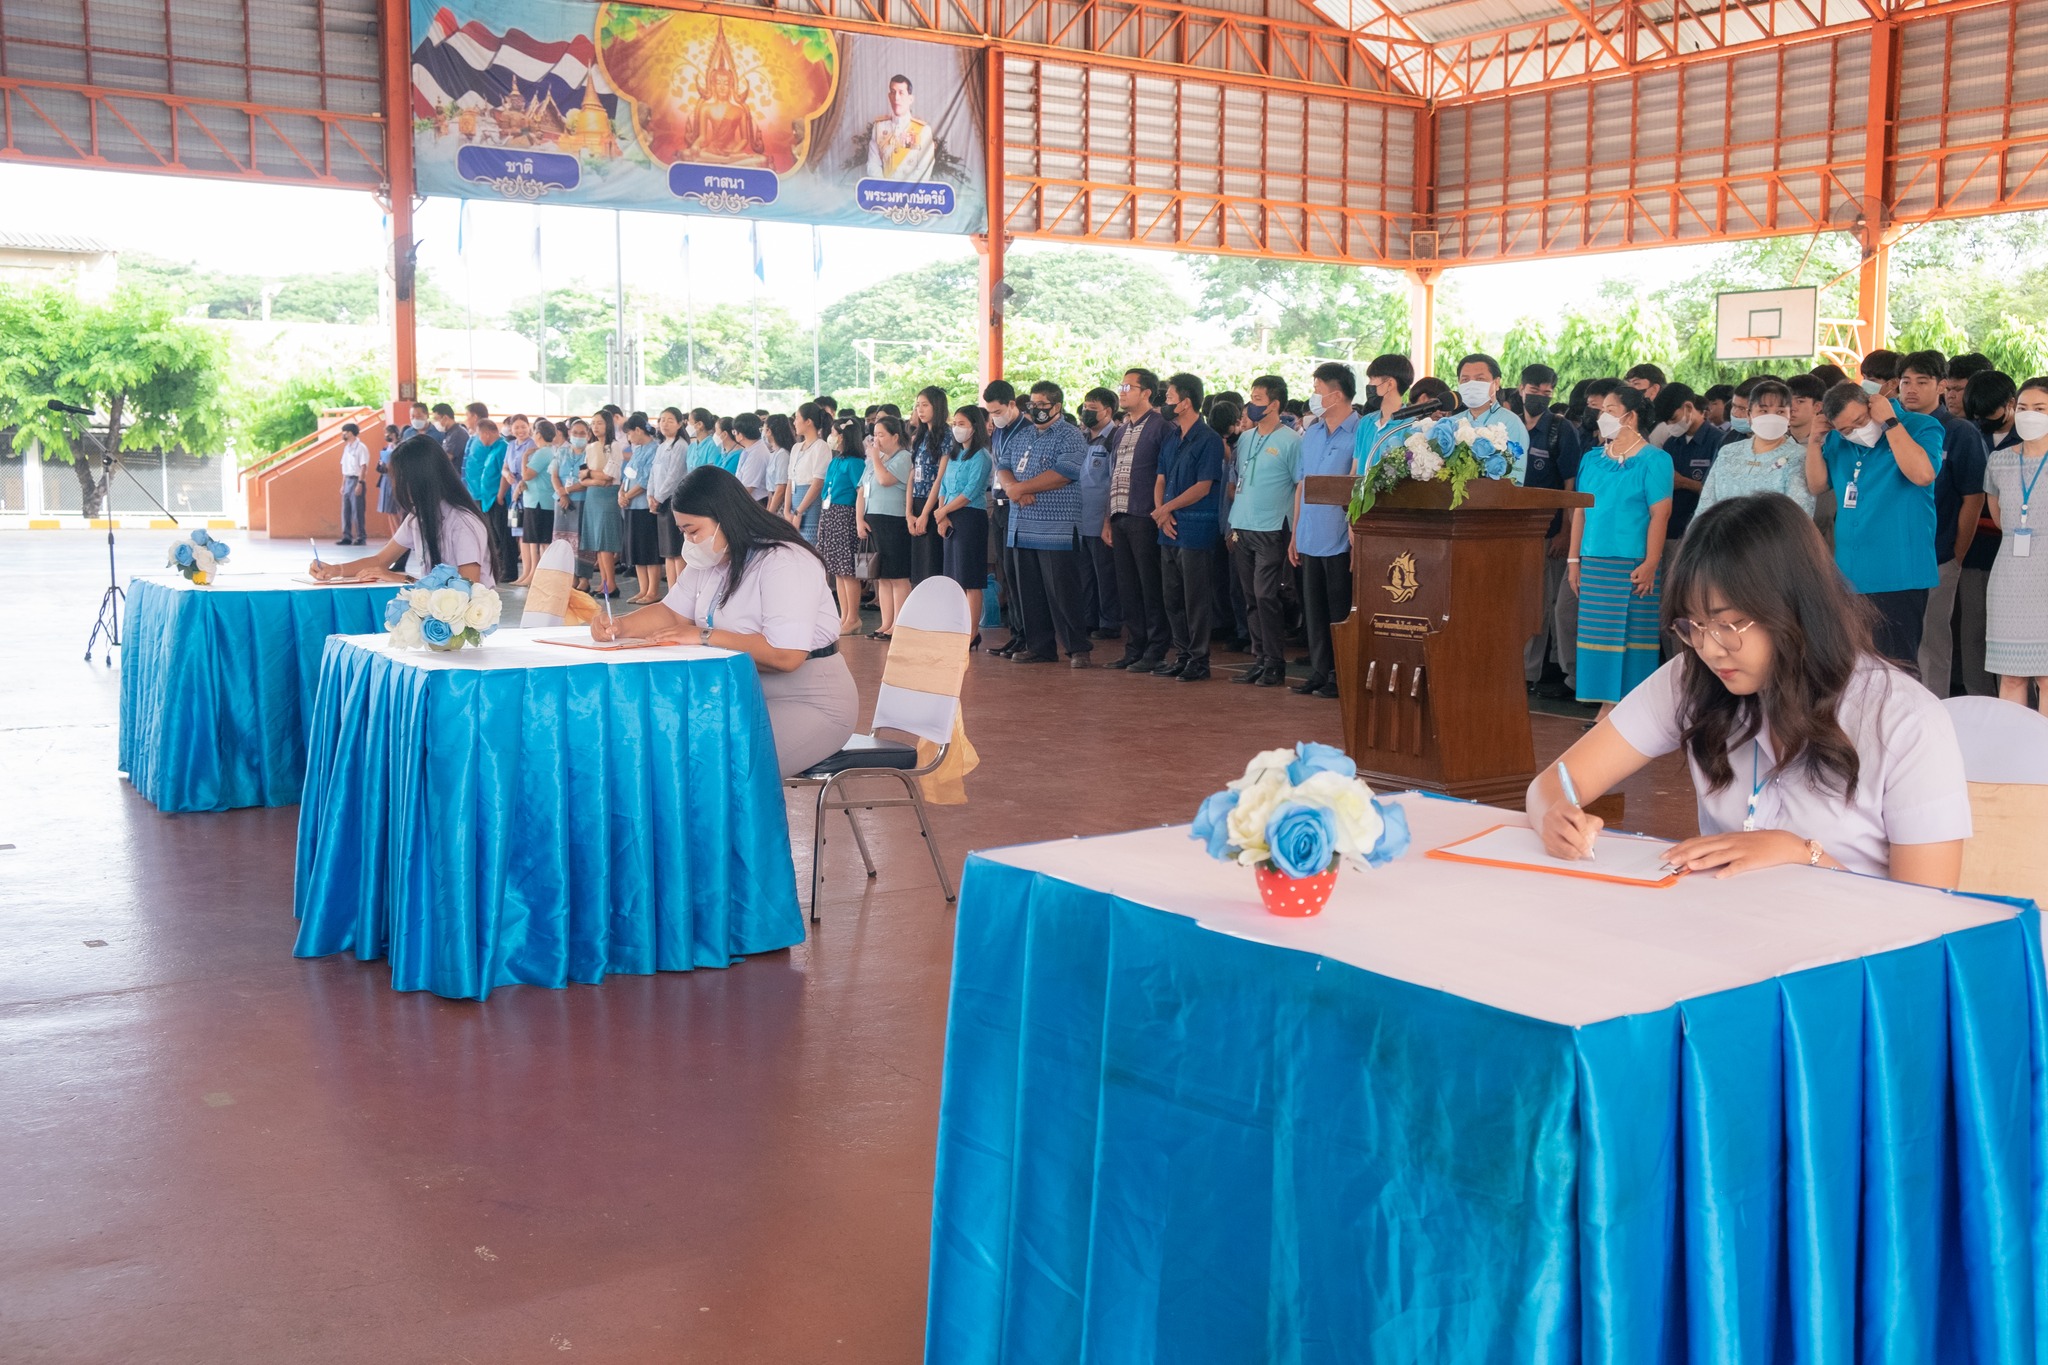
(920, 697)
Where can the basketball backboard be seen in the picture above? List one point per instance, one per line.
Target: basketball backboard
(1767, 324)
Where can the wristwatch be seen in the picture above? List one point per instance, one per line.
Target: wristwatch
(1813, 852)
(1890, 422)
(704, 639)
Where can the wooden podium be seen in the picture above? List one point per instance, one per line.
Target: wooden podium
(1429, 663)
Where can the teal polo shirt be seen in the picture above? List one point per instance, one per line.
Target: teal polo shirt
(1885, 543)
(1267, 465)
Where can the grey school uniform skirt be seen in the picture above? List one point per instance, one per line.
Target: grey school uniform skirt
(812, 710)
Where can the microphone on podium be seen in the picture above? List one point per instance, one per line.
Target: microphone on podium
(1448, 402)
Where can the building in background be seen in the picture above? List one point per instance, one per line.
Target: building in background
(86, 266)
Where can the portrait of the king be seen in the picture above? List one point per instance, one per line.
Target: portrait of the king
(900, 147)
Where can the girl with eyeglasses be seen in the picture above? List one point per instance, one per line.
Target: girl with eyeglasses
(1805, 746)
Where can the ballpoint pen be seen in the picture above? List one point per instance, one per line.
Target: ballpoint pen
(1571, 794)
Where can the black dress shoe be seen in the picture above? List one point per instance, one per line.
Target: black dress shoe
(1007, 649)
(1250, 675)
(1328, 689)
(1273, 677)
(1027, 657)
(1125, 661)
(1195, 673)
(1105, 635)
(1308, 684)
(1148, 664)
(1171, 670)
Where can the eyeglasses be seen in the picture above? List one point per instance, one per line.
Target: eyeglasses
(1725, 637)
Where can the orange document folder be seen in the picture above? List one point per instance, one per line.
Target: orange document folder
(1630, 859)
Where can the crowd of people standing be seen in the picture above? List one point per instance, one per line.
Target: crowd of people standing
(1169, 519)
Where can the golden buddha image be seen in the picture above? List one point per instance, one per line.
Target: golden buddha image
(715, 91)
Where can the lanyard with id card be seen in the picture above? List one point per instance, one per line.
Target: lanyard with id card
(2023, 539)
(1849, 493)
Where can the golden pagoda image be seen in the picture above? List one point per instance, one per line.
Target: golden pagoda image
(590, 128)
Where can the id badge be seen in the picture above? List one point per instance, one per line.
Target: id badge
(1849, 497)
(2022, 543)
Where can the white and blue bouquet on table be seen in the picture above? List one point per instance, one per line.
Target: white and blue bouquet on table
(443, 611)
(1298, 812)
(198, 557)
(1451, 451)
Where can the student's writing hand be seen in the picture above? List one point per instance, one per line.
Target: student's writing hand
(1568, 831)
(1733, 853)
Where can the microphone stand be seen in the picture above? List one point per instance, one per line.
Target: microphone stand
(113, 601)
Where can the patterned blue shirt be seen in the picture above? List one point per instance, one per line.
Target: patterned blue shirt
(1054, 515)
(1324, 531)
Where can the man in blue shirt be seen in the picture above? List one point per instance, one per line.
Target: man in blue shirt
(1479, 390)
(1692, 442)
(1321, 545)
(1880, 463)
(1553, 463)
(1958, 503)
(1261, 501)
(1039, 470)
(1101, 611)
(1005, 421)
(1188, 510)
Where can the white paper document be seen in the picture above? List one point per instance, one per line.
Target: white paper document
(1617, 857)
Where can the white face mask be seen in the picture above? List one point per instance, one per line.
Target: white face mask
(1663, 432)
(700, 555)
(1476, 393)
(963, 434)
(1867, 434)
(1315, 404)
(1610, 426)
(2031, 425)
(1001, 419)
(1872, 386)
(1772, 426)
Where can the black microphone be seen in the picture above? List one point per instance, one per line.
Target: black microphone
(1443, 403)
(58, 405)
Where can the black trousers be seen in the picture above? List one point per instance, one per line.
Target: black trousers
(1901, 616)
(1100, 606)
(1325, 600)
(1187, 578)
(1005, 566)
(1260, 558)
(503, 548)
(1048, 586)
(1134, 542)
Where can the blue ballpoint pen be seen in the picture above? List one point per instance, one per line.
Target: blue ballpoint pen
(1571, 794)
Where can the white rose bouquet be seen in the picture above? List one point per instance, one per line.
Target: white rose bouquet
(1297, 811)
(198, 558)
(443, 611)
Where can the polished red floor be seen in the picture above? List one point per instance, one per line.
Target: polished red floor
(216, 1153)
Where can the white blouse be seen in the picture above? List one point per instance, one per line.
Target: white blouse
(1911, 789)
(785, 597)
(807, 465)
(464, 540)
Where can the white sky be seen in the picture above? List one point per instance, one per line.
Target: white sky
(279, 230)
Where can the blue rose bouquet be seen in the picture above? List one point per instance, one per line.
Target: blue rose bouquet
(1297, 812)
(198, 557)
(1451, 451)
(443, 611)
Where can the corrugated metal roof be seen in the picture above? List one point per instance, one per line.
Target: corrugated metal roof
(53, 241)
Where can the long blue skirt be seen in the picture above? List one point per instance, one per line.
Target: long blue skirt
(1618, 631)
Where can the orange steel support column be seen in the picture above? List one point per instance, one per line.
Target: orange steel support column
(1422, 321)
(396, 18)
(991, 246)
(1874, 281)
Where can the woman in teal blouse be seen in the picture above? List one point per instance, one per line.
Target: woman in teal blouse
(962, 515)
(1617, 550)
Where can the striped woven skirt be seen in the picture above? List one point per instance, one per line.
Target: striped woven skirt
(1618, 631)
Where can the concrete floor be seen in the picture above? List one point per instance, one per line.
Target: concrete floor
(216, 1153)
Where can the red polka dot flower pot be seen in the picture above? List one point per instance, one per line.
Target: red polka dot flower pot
(1294, 897)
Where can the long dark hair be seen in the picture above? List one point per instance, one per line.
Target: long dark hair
(977, 418)
(933, 434)
(747, 526)
(853, 434)
(425, 485)
(781, 433)
(1762, 556)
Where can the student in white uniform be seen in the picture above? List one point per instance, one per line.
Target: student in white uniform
(1804, 745)
(441, 523)
(752, 584)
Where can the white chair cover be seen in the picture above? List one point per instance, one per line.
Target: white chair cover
(2002, 741)
(937, 604)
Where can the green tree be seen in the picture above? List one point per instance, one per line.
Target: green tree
(1302, 307)
(270, 416)
(1527, 343)
(579, 327)
(154, 380)
(2018, 348)
(1932, 330)
(1091, 293)
(931, 307)
(730, 348)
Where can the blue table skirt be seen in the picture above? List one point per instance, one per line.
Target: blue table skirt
(482, 827)
(1162, 1144)
(217, 687)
